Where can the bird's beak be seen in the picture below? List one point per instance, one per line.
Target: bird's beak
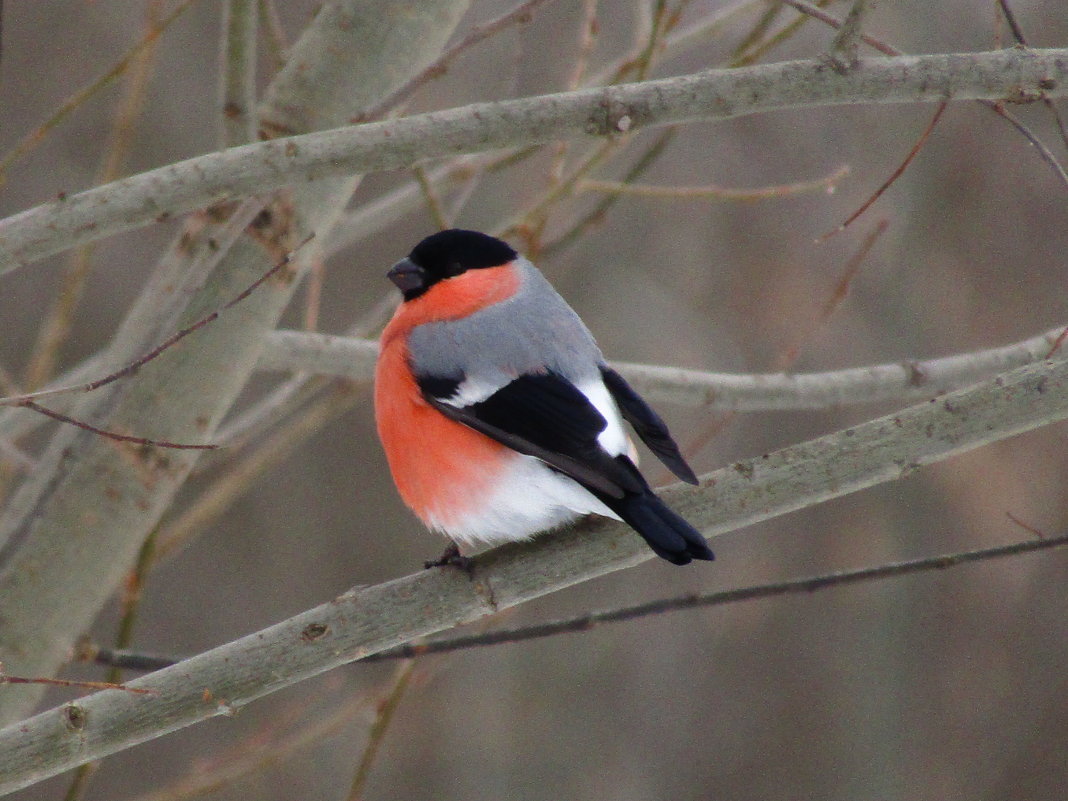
(408, 276)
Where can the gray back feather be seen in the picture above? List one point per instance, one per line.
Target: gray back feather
(533, 330)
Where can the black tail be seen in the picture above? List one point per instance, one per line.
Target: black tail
(669, 536)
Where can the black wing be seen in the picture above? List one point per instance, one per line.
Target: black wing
(648, 424)
(545, 416)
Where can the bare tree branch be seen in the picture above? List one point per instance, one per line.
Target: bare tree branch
(55, 582)
(714, 94)
(369, 620)
(237, 84)
(136, 660)
(353, 358)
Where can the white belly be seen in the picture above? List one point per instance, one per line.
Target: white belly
(531, 498)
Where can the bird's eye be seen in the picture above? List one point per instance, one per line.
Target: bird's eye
(454, 268)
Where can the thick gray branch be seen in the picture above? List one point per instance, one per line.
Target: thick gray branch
(349, 357)
(1017, 75)
(369, 620)
(354, 358)
(77, 521)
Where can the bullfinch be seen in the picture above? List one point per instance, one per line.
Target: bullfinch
(497, 412)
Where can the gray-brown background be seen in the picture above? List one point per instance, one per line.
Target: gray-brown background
(948, 685)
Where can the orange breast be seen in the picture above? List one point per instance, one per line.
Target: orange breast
(442, 469)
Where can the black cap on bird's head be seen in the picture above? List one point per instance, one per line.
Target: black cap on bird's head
(444, 255)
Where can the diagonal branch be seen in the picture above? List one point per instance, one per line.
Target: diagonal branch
(714, 94)
(54, 581)
(366, 621)
(138, 660)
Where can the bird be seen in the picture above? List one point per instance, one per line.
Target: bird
(498, 414)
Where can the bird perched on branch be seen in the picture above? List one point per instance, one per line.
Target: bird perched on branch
(498, 414)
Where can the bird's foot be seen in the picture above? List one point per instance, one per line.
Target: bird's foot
(452, 558)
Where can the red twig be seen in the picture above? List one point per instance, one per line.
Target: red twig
(203, 321)
(521, 13)
(87, 685)
(837, 297)
(893, 177)
(28, 400)
(159, 443)
(1057, 343)
(1047, 156)
(1030, 529)
(23, 400)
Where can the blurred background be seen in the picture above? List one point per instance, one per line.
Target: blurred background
(942, 685)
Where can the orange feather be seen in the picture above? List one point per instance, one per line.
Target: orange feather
(442, 469)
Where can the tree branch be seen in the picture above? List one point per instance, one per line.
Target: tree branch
(366, 621)
(237, 79)
(714, 94)
(60, 564)
(348, 357)
(126, 659)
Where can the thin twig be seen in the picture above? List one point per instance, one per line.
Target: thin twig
(587, 39)
(1017, 32)
(271, 746)
(1028, 528)
(430, 198)
(754, 35)
(789, 353)
(131, 599)
(677, 42)
(387, 708)
(80, 782)
(27, 399)
(1043, 151)
(56, 325)
(530, 225)
(237, 79)
(132, 592)
(203, 321)
(652, 43)
(801, 586)
(277, 47)
(1010, 18)
(759, 49)
(808, 8)
(816, 12)
(1057, 343)
(843, 50)
(31, 140)
(83, 685)
(598, 212)
(520, 14)
(713, 192)
(838, 296)
(916, 148)
(555, 173)
(159, 443)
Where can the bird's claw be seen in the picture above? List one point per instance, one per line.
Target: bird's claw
(452, 558)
